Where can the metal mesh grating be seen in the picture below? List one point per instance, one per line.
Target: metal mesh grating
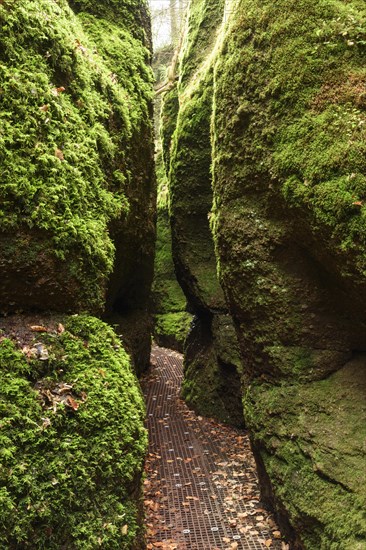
(201, 491)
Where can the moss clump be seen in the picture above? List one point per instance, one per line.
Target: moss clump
(70, 469)
(131, 14)
(171, 329)
(67, 121)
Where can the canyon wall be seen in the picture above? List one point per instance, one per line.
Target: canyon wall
(283, 134)
(210, 360)
(77, 215)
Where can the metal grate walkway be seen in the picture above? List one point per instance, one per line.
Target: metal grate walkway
(201, 491)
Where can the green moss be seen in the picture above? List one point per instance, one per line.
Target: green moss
(190, 175)
(169, 113)
(168, 297)
(298, 115)
(212, 370)
(168, 301)
(67, 120)
(311, 439)
(204, 17)
(171, 329)
(131, 14)
(70, 474)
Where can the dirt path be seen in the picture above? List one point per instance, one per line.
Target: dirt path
(201, 491)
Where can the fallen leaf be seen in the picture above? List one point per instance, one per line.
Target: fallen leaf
(70, 402)
(59, 154)
(38, 328)
(60, 328)
(268, 543)
(124, 530)
(44, 108)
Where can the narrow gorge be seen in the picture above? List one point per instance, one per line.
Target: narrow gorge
(241, 245)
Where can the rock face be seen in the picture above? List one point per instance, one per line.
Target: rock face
(187, 147)
(77, 193)
(289, 173)
(171, 319)
(77, 211)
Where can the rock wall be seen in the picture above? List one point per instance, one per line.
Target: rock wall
(77, 192)
(288, 162)
(171, 319)
(289, 182)
(77, 215)
(186, 141)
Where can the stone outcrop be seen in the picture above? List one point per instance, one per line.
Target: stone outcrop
(187, 155)
(287, 155)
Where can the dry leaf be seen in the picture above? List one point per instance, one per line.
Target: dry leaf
(60, 328)
(44, 108)
(124, 530)
(59, 154)
(268, 543)
(38, 328)
(70, 402)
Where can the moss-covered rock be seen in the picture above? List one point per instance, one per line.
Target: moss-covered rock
(311, 440)
(212, 383)
(190, 160)
(283, 261)
(169, 113)
(135, 328)
(172, 329)
(75, 109)
(72, 440)
(288, 180)
(287, 154)
(212, 370)
(172, 321)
